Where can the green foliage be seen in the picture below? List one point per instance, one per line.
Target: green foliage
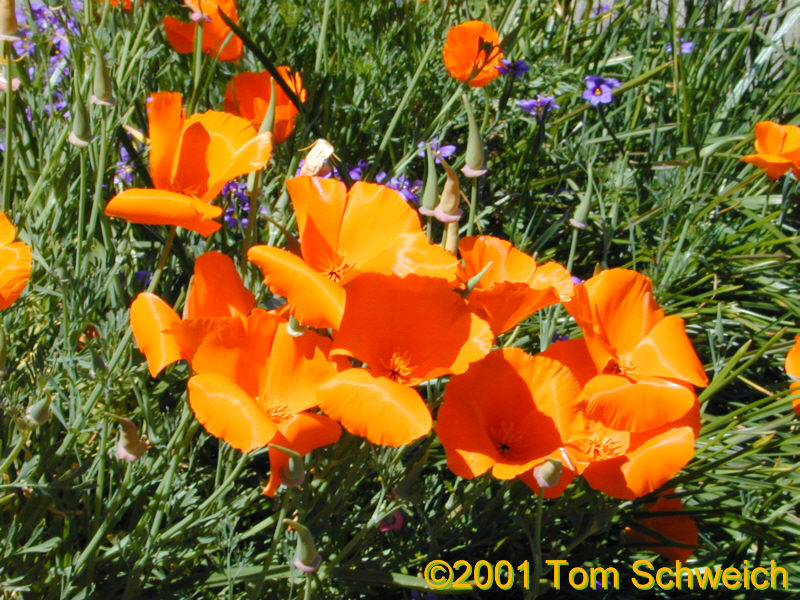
(667, 195)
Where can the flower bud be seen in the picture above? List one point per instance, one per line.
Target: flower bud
(293, 473)
(431, 189)
(130, 446)
(548, 473)
(81, 133)
(306, 557)
(103, 91)
(474, 166)
(38, 414)
(8, 21)
(581, 216)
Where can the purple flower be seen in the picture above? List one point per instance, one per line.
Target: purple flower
(600, 9)
(239, 203)
(357, 172)
(408, 189)
(686, 46)
(123, 173)
(517, 68)
(438, 150)
(143, 277)
(538, 106)
(559, 337)
(598, 89)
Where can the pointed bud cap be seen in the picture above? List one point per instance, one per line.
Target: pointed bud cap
(548, 473)
(475, 165)
(393, 522)
(581, 217)
(103, 91)
(38, 414)
(306, 557)
(431, 190)
(268, 123)
(81, 133)
(130, 446)
(294, 473)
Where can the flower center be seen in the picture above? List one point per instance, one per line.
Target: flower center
(599, 447)
(507, 438)
(398, 368)
(620, 366)
(336, 268)
(597, 91)
(274, 409)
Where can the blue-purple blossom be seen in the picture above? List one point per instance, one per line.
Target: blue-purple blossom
(357, 172)
(685, 46)
(238, 204)
(517, 68)
(123, 174)
(559, 337)
(600, 9)
(539, 106)
(598, 89)
(408, 189)
(143, 277)
(439, 151)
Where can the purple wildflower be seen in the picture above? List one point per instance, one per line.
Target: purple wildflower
(408, 189)
(517, 68)
(598, 89)
(439, 151)
(239, 203)
(357, 172)
(686, 46)
(559, 337)
(600, 9)
(123, 174)
(143, 277)
(539, 106)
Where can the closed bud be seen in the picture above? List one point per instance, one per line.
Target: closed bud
(268, 124)
(81, 133)
(306, 557)
(474, 166)
(548, 473)
(130, 446)
(430, 192)
(581, 217)
(294, 472)
(38, 414)
(103, 91)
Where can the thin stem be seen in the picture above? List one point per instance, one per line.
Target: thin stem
(537, 543)
(323, 32)
(9, 151)
(25, 434)
(473, 203)
(163, 260)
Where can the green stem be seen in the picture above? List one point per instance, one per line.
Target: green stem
(323, 32)
(24, 435)
(473, 203)
(9, 152)
(537, 544)
(162, 262)
(81, 213)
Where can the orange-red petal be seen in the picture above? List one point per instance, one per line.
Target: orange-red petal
(160, 207)
(667, 352)
(675, 527)
(165, 123)
(151, 318)
(384, 412)
(314, 299)
(217, 289)
(228, 412)
(15, 271)
(471, 53)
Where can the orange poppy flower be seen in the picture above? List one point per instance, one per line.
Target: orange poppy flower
(777, 149)
(368, 228)
(513, 287)
(645, 362)
(190, 160)
(248, 95)
(472, 52)
(180, 35)
(407, 330)
(217, 293)
(792, 367)
(674, 527)
(509, 411)
(15, 263)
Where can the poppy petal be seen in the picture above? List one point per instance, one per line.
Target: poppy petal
(180, 35)
(15, 271)
(792, 365)
(7, 231)
(315, 301)
(667, 352)
(384, 412)
(165, 123)
(151, 318)
(639, 404)
(228, 412)
(217, 289)
(160, 207)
